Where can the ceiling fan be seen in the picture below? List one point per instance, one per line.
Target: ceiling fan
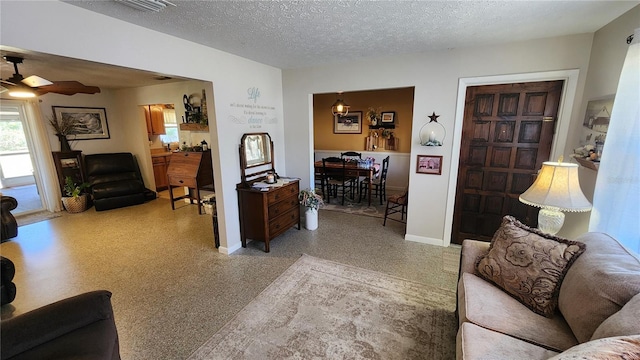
(40, 86)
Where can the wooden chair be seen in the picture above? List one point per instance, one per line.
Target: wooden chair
(353, 156)
(396, 204)
(335, 177)
(379, 183)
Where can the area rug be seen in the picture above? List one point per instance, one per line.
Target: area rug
(319, 309)
(357, 208)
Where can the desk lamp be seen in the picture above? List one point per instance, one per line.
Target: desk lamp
(556, 189)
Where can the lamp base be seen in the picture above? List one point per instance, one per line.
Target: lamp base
(550, 220)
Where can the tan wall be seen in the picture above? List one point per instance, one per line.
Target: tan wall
(398, 100)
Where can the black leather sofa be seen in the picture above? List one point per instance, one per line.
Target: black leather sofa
(79, 327)
(9, 225)
(7, 287)
(115, 180)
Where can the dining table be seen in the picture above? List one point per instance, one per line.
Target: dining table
(354, 168)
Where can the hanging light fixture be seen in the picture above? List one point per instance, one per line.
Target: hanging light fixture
(339, 107)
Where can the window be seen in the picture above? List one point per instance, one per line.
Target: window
(170, 127)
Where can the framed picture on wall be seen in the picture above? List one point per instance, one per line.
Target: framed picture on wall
(388, 117)
(428, 164)
(348, 124)
(91, 122)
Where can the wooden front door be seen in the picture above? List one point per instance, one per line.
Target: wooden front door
(506, 136)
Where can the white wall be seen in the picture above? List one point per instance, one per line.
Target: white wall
(435, 77)
(105, 99)
(607, 56)
(66, 30)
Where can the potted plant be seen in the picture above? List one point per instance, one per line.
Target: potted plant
(311, 201)
(63, 127)
(75, 201)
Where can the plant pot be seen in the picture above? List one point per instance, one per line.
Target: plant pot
(311, 219)
(76, 204)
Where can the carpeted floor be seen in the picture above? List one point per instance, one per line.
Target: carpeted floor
(322, 309)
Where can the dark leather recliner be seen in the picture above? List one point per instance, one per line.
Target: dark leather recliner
(79, 327)
(115, 180)
(9, 225)
(7, 287)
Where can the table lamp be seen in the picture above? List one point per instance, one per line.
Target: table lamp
(556, 189)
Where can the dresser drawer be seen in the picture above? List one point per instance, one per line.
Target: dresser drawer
(283, 222)
(182, 181)
(282, 193)
(283, 206)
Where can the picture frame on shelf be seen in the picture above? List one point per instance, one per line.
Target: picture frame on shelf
(388, 117)
(429, 164)
(348, 124)
(91, 122)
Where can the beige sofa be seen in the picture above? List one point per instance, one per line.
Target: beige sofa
(598, 309)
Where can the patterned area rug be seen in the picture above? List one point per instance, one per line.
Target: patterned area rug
(321, 309)
(358, 208)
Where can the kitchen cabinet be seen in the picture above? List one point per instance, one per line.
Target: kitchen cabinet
(154, 118)
(160, 166)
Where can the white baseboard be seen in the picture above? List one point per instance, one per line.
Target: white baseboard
(229, 250)
(424, 240)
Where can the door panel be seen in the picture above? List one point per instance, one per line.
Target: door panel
(507, 134)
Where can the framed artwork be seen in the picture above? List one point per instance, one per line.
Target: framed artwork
(388, 117)
(596, 120)
(92, 122)
(429, 164)
(348, 124)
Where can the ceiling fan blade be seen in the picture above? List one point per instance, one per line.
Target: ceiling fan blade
(67, 88)
(36, 81)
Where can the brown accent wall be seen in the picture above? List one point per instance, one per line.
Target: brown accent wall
(398, 100)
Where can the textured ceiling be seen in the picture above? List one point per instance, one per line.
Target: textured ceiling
(295, 34)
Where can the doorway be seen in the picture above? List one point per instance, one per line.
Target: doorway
(17, 175)
(507, 133)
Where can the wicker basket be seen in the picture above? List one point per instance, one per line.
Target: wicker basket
(76, 204)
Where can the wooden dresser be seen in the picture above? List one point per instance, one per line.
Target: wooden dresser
(192, 170)
(267, 214)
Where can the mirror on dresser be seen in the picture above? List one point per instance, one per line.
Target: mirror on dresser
(256, 157)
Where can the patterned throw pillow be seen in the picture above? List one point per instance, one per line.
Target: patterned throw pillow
(529, 264)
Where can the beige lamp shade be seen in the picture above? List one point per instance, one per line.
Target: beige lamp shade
(557, 186)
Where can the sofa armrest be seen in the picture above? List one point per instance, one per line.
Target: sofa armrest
(471, 250)
(32, 329)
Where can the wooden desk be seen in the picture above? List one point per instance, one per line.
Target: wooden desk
(353, 169)
(192, 170)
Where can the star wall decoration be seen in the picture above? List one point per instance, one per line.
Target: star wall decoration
(434, 117)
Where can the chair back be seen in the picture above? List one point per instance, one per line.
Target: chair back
(385, 170)
(334, 168)
(351, 155)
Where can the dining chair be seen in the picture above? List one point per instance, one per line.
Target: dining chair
(335, 176)
(396, 204)
(379, 183)
(353, 156)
